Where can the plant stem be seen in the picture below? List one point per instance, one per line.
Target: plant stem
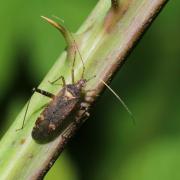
(104, 40)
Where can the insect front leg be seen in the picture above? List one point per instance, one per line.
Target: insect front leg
(62, 78)
(83, 113)
(90, 96)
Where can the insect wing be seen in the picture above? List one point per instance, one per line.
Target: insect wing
(54, 119)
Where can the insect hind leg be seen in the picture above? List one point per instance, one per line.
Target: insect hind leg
(40, 91)
(44, 93)
(24, 116)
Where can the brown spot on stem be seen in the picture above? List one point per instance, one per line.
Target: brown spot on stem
(30, 156)
(115, 13)
(22, 141)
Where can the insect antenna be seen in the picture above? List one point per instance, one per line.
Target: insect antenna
(89, 79)
(121, 101)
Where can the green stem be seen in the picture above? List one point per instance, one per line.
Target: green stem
(104, 40)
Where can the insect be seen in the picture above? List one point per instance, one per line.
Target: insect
(70, 104)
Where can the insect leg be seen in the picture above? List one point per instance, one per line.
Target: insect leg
(82, 76)
(27, 107)
(84, 106)
(45, 93)
(90, 78)
(24, 115)
(62, 78)
(72, 71)
(90, 90)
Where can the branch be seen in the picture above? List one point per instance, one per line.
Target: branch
(104, 40)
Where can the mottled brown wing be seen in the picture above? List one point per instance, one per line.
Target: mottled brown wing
(55, 117)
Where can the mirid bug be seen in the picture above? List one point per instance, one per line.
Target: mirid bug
(70, 105)
(67, 105)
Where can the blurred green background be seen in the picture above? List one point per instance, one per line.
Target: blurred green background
(108, 146)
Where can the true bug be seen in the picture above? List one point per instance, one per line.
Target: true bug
(71, 103)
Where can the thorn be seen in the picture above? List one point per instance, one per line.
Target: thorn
(70, 39)
(62, 20)
(66, 34)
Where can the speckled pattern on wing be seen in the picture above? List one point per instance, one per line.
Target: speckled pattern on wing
(57, 114)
